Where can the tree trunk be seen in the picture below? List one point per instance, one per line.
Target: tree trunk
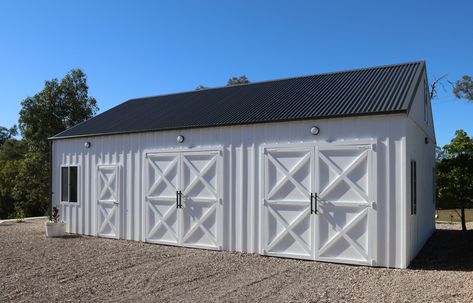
(463, 218)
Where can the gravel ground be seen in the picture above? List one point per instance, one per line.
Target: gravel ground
(80, 268)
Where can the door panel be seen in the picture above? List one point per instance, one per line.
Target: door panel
(200, 199)
(161, 185)
(108, 210)
(288, 227)
(182, 202)
(344, 204)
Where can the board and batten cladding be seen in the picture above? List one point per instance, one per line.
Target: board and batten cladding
(241, 194)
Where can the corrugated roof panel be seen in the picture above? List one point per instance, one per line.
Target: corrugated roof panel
(376, 90)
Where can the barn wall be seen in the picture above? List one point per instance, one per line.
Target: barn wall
(421, 225)
(241, 145)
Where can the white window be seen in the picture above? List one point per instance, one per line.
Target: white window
(69, 184)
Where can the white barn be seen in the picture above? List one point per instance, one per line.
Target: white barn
(333, 167)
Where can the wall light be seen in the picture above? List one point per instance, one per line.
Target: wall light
(87, 144)
(314, 130)
(180, 139)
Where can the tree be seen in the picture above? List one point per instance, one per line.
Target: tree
(57, 107)
(463, 88)
(455, 174)
(11, 156)
(60, 105)
(7, 133)
(237, 80)
(201, 87)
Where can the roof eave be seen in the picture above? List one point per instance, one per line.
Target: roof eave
(56, 137)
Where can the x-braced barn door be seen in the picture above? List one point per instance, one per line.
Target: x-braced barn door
(108, 204)
(182, 199)
(161, 188)
(200, 200)
(288, 223)
(319, 203)
(346, 220)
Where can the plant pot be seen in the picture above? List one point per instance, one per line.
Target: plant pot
(54, 229)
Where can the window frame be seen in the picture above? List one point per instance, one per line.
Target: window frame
(69, 185)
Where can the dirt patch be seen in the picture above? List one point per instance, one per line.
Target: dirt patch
(81, 268)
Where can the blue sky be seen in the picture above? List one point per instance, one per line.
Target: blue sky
(139, 48)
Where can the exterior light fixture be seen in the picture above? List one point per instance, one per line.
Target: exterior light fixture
(180, 139)
(87, 144)
(314, 130)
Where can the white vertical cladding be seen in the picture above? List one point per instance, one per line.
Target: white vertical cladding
(135, 178)
(128, 185)
(241, 174)
(421, 225)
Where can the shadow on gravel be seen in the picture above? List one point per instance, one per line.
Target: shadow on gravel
(10, 223)
(7, 224)
(71, 236)
(446, 250)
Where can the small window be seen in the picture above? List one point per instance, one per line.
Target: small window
(413, 188)
(69, 184)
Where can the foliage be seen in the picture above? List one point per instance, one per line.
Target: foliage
(7, 133)
(201, 87)
(24, 165)
(455, 174)
(55, 215)
(237, 80)
(12, 149)
(463, 88)
(31, 190)
(60, 105)
(19, 214)
(11, 156)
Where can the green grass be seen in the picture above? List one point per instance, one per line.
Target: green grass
(452, 215)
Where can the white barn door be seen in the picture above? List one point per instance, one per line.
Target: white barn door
(182, 199)
(346, 221)
(108, 204)
(318, 203)
(288, 226)
(161, 212)
(200, 200)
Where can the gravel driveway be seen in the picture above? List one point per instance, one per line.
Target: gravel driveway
(80, 268)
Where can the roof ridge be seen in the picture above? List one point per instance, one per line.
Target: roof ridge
(281, 79)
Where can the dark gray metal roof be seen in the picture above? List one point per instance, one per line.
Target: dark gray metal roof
(367, 91)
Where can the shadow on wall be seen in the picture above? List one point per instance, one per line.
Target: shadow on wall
(446, 250)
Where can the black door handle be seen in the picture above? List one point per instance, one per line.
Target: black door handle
(311, 207)
(180, 199)
(315, 203)
(177, 199)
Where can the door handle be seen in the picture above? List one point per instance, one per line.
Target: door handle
(116, 203)
(311, 206)
(177, 199)
(180, 199)
(315, 203)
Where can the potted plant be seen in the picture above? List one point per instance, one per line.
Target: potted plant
(54, 227)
